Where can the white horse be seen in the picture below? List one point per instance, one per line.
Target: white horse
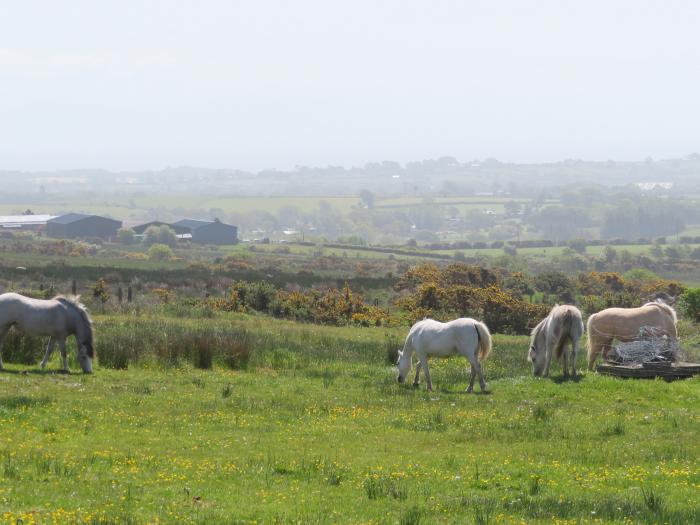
(57, 318)
(563, 325)
(429, 338)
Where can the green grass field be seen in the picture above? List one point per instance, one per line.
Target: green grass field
(123, 207)
(316, 430)
(126, 207)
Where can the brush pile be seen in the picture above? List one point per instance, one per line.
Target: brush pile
(651, 346)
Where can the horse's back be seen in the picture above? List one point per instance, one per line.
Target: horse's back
(566, 320)
(625, 323)
(35, 316)
(436, 338)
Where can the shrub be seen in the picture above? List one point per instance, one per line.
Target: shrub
(160, 252)
(160, 235)
(125, 236)
(690, 304)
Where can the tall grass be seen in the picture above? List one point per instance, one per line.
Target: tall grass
(240, 342)
(171, 342)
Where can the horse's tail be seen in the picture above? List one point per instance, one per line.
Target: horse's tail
(566, 326)
(484, 340)
(589, 336)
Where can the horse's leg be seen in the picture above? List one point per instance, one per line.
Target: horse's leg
(47, 355)
(472, 376)
(565, 358)
(64, 354)
(415, 381)
(3, 333)
(548, 357)
(426, 372)
(476, 371)
(574, 356)
(597, 346)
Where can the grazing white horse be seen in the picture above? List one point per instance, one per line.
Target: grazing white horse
(57, 318)
(428, 338)
(563, 325)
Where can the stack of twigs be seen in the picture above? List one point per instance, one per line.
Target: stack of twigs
(652, 346)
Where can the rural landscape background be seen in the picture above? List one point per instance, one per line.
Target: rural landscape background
(256, 200)
(255, 382)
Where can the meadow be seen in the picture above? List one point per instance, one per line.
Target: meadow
(245, 419)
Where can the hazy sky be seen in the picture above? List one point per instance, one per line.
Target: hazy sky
(263, 84)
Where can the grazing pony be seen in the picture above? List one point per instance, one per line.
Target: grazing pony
(562, 326)
(429, 338)
(57, 318)
(625, 324)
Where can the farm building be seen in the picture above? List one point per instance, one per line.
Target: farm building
(210, 232)
(24, 222)
(141, 228)
(75, 225)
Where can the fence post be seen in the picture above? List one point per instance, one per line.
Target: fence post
(74, 287)
(119, 295)
(128, 295)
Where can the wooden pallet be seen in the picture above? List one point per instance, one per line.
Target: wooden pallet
(667, 371)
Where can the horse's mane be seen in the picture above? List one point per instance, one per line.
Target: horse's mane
(73, 301)
(537, 328)
(665, 307)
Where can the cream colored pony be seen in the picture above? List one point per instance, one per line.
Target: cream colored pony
(430, 338)
(625, 324)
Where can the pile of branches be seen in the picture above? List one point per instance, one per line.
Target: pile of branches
(652, 346)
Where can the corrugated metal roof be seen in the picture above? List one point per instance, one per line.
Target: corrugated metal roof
(70, 217)
(192, 224)
(24, 219)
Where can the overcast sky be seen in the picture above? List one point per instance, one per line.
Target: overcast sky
(130, 85)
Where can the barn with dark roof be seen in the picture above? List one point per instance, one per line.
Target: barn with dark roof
(209, 232)
(78, 225)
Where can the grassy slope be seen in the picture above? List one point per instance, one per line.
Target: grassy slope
(318, 431)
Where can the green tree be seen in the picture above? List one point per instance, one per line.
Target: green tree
(367, 198)
(610, 254)
(160, 235)
(160, 252)
(578, 245)
(690, 304)
(557, 284)
(125, 236)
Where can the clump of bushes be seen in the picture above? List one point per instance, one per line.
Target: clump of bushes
(332, 306)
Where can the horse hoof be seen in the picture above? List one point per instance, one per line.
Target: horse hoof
(415, 385)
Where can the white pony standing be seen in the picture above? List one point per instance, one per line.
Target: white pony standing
(563, 325)
(428, 338)
(57, 318)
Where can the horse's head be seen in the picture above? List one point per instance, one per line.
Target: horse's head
(536, 356)
(537, 353)
(404, 365)
(85, 355)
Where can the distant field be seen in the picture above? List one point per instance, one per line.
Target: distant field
(110, 209)
(246, 204)
(121, 207)
(125, 207)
